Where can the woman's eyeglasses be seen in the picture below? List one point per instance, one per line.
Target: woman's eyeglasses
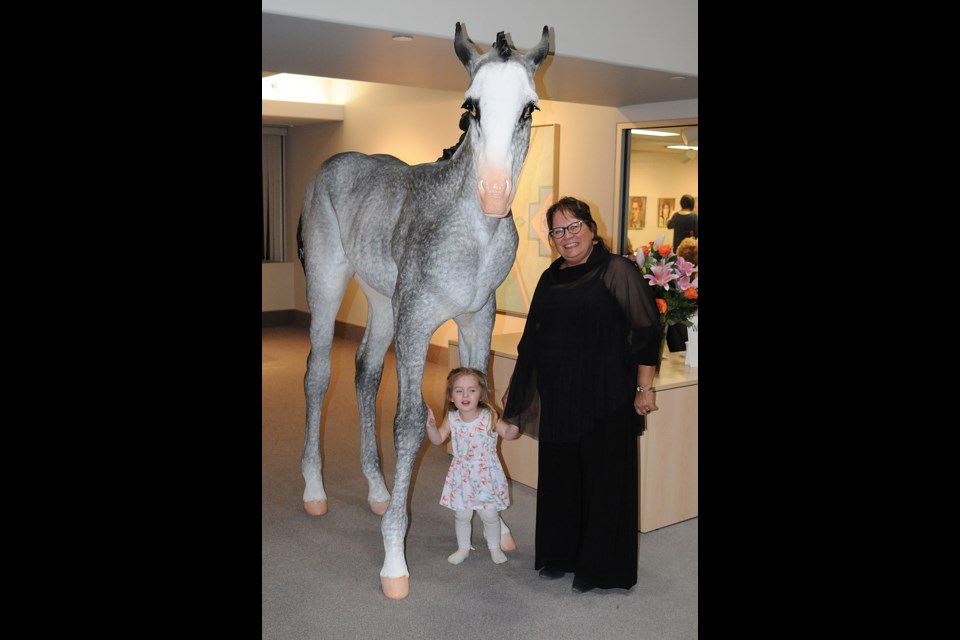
(574, 228)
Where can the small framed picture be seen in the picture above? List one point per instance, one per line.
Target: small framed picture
(636, 216)
(665, 207)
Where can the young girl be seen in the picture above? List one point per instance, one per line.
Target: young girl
(475, 481)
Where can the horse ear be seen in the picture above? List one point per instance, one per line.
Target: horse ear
(465, 49)
(539, 53)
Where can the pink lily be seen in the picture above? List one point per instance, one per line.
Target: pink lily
(662, 275)
(685, 268)
(684, 283)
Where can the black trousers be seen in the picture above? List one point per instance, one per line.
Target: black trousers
(587, 506)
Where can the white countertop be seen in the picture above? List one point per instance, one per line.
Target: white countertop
(673, 372)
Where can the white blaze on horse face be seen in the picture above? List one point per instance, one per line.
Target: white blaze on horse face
(502, 90)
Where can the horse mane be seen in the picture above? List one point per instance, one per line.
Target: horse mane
(503, 47)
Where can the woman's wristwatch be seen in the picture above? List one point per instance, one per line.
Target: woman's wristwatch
(642, 390)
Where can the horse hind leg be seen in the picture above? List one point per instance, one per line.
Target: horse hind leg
(327, 273)
(370, 355)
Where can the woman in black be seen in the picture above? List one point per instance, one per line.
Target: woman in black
(685, 223)
(587, 357)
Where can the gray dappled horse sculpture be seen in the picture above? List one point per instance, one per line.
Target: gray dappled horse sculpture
(426, 243)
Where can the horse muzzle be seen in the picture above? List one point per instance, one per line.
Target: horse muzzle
(495, 197)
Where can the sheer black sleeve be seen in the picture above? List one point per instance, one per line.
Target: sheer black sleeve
(636, 298)
(523, 402)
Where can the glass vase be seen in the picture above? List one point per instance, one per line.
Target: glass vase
(663, 348)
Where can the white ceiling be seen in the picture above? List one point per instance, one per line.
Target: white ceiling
(311, 47)
(657, 144)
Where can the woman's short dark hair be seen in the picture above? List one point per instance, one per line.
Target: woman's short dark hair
(579, 210)
(686, 202)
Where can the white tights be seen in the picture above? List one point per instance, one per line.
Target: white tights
(491, 533)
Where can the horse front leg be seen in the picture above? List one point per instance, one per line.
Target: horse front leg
(412, 341)
(475, 331)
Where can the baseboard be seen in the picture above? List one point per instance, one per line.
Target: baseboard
(438, 355)
(349, 331)
(435, 353)
(277, 318)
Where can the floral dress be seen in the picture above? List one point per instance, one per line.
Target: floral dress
(475, 479)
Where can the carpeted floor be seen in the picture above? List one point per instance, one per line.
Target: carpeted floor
(320, 576)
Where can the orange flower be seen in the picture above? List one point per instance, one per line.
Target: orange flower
(662, 305)
(646, 249)
(691, 294)
(664, 250)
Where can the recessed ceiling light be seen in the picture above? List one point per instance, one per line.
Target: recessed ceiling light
(651, 132)
(683, 146)
(678, 78)
(402, 37)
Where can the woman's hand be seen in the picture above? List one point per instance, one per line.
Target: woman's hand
(644, 402)
(431, 419)
(507, 431)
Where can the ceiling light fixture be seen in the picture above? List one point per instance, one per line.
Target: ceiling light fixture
(683, 146)
(402, 37)
(651, 132)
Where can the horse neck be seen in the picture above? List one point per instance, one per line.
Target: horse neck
(459, 174)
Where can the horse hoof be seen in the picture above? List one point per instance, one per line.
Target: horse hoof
(395, 588)
(507, 543)
(379, 508)
(315, 507)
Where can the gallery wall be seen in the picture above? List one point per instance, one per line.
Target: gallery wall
(655, 176)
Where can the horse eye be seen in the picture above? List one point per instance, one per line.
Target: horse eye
(470, 105)
(528, 111)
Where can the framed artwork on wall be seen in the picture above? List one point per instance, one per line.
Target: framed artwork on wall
(664, 209)
(636, 216)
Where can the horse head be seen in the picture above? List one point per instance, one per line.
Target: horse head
(501, 99)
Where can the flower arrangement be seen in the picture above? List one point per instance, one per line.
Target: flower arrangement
(670, 276)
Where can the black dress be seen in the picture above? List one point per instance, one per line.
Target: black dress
(685, 225)
(589, 328)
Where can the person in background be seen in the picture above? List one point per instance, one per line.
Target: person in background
(475, 480)
(587, 358)
(684, 222)
(688, 250)
(677, 334)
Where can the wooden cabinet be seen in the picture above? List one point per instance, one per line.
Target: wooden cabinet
(668, 451)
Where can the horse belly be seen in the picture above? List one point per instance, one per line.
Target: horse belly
(366, 193)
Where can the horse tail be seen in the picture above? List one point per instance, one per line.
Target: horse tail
(300, 242)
